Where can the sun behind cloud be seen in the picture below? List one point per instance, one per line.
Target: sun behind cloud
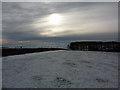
(55, 19)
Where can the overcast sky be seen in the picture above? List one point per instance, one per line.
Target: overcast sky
(60, 21)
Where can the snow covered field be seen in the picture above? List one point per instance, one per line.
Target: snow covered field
(61, 69)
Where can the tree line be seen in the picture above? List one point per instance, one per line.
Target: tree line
(111, 46)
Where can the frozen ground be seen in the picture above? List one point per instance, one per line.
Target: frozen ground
(61, 69)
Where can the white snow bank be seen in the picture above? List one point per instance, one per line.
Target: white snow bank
(61, 69)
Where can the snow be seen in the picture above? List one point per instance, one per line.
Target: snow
(61, 69)
(0, 73)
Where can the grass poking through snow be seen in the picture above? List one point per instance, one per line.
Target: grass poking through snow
(63, 80)
(102, 80)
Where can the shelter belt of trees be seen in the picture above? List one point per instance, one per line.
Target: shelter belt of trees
(95, 46)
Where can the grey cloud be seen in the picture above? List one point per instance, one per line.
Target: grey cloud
(17, 18)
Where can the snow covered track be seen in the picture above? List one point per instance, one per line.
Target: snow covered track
(61, 69)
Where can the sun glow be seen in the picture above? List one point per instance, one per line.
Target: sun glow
(54, 19)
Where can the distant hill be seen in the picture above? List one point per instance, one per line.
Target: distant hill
(17, 51)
